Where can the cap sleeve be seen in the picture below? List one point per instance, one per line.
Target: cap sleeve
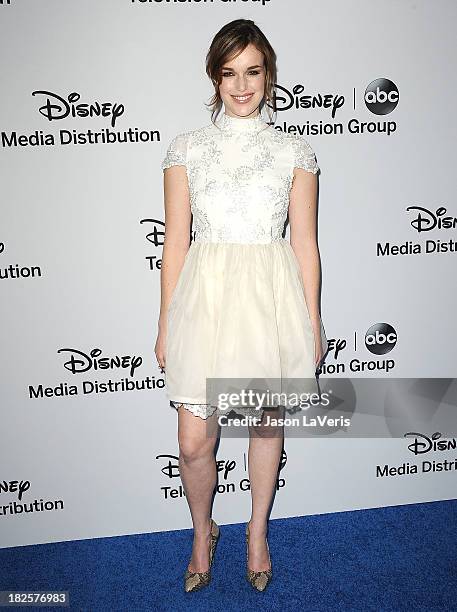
(304, 156)
(176, 154)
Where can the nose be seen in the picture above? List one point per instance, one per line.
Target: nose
(241, 84)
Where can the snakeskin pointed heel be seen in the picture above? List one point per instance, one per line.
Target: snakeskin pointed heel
(259, 580)
(194, 581)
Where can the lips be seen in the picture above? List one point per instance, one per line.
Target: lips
(243, 99)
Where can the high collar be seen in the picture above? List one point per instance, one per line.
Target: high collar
(240, 124)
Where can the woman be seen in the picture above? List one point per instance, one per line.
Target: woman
(240, 301)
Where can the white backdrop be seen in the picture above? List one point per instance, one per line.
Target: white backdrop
(92, 93)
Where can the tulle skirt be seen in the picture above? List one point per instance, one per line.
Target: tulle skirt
(238, 310)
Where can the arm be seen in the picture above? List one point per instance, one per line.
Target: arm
(177, 234)
(303, 239)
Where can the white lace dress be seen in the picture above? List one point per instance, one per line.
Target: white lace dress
(238, 309)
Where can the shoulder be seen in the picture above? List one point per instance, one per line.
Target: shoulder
(181, 144)
(300, 152)
(179, 140)
(303, 154)
(296, 140)
(176, 153)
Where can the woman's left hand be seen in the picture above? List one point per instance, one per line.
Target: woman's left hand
(318, 351)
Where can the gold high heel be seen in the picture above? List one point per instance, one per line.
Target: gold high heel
(259, 580)
(194, 581)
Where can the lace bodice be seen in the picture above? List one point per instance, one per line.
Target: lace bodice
(240, 173)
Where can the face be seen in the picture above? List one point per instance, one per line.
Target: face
(243, 83)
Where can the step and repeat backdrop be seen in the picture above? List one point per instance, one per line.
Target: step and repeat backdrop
(92, 94)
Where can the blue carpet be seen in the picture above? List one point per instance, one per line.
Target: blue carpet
(386, 559)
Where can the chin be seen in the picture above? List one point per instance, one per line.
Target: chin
(243, 109)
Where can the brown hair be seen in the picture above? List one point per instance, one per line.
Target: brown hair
(231, 40)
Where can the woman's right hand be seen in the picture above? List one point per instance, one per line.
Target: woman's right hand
(160, 347)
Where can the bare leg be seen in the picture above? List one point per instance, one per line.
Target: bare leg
(265, 447)
(197, 465)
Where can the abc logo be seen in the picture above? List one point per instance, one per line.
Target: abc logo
(381, 96)
(381, 338)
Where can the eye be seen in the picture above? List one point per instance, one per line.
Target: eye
(254, 72)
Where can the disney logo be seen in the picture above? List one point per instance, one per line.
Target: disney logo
(80, 362)
(432, 220)
(423, 444)
(158, 232)
(292, 99)
(57, 107)
(225, 466)
(15, 485)
(171, 469)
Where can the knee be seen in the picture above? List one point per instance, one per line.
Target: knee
(191, 450)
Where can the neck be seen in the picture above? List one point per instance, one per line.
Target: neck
(241, 124)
